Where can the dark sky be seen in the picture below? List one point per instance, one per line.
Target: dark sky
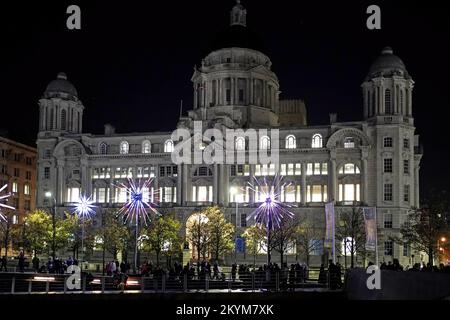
(132, 61)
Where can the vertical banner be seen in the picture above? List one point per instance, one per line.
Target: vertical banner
(370, 219)
(329, 225)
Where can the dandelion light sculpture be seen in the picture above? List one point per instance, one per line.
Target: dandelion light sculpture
(271, 211)
(4, 197)
(84, 209)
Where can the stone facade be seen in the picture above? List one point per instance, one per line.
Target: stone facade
(372, 162)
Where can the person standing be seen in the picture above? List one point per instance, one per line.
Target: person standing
(3, 264)
(21, 261)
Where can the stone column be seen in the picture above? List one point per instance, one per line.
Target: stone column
(186, 184)
(252, 88)
(409, 102)
(376, 107)
(364, 177)
(303, 186)
(231, 90)
(111, 186)
(333, 177)
(180, 185)
(416, 187)
(216, 184)
(60, 182)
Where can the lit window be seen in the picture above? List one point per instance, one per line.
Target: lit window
(73, 194)
(264, 143)
(349, 143)
(121, 195)
(288, 193)
(349, 192)
(239, 194)
(146, 146)
(291, 142)
(298, 169)
(309, 169)
(124, 147)
(15, 187)
(240, 143)
(348, 243)
(349, 168)
(15, 220)
(316, 168)
(325, 168)
(316, 141)
(168, 146)
(26, 189)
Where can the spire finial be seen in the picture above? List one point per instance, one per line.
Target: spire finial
(238, 15)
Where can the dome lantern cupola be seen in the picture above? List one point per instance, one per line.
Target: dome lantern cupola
(238, 15)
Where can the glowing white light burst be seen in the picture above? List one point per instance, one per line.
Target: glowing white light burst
(138, 200)
(84, 208)
(271, 211)
(4, 197)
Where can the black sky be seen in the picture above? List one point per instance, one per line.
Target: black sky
(132, 61)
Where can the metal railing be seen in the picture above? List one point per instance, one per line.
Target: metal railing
(251, 281)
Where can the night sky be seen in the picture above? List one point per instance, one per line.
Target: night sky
(132, 61)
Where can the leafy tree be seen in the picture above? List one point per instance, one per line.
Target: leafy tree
(64, 230)
(113, 235)
(162, 235)
(425, 226)
(305, 236)
(254, 238)
(220, 231)
(37, 231)
(6, 231)
(197, 234)
(282, 238)
(351, 225)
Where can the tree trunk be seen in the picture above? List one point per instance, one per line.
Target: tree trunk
(103, 258)
(430, 257)
(157, 257)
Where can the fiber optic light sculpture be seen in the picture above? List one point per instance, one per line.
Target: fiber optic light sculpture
(4, 197)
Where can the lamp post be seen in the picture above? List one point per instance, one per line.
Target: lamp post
(49, 195)
(233, 193)
(439, 248)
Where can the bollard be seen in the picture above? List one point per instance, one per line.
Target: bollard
(163, 284)
(83, 279)
(13, 284)
(185, 283)
(142, 284)
(277, 282)
(65, 283)
(206, 282)
(29, 286)
(253, 281)
(103, 284)
(47, 286)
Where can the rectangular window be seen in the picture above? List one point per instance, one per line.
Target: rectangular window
(139, 172)
(289, 193)
(298, 169)
(243, 220)
(406, 166)
(47, 153)
(406, 249)
(406, 193)
(388, 142)
(316, 193)
(117, 173)
(29, 161)
(233, 170)
(28, 175)
(73, 194)
(290, 169)
(26, 189)
(309, 169)
(388, 221)
(316, 168)
(388, 192)
(283, 169)
(16, 172)
(241, 95)
(27, 205)
(316, 246)
(388, 165)
(101, 195)
(15, 187)
(4, 169)
(47, 173)
(388, 248)
(257, 170)
(162, 171)
(17, 157)
(325, 168)
(202, 194)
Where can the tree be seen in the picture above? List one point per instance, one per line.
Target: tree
(197, 234)
(351, 225)
(80, 237)
(162, 236)
(305, 236)
(37, 231)
(254, 238)
(425, 226)
(282, 238)
(6, 231)
(113, 235)
(65, 227)
(220, 231)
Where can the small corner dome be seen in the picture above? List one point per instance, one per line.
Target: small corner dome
(61, 86)
(387, 64)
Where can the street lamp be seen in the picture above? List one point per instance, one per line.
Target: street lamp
(49, 196)
(233, 193)
(440, 249)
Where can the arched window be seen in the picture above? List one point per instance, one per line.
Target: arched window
(387, 102)
(146, 146)
(103, 148)
(349, 143)
(168, 146)
(240, 143)
(316, 141)
(264, 143)
(63, 120)
(291, 143)
(124, 147)
(349, 168)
